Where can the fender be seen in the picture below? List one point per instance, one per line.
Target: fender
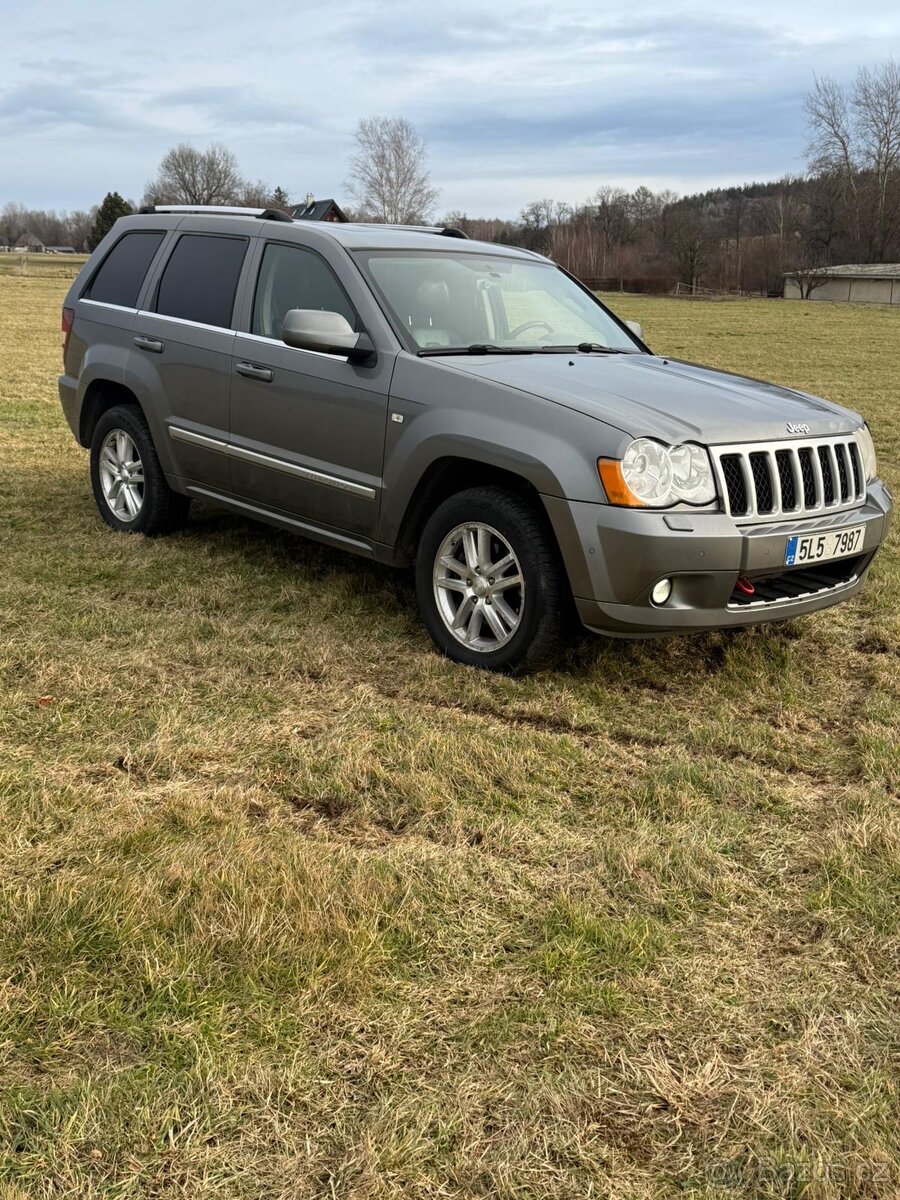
(418, 451)
(436, 412)
(104, 362)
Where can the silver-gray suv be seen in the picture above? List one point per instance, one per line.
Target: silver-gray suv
(416, 397)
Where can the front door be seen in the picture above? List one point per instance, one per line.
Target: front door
(307, 429)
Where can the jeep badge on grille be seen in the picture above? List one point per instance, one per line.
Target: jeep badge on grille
(797, 428)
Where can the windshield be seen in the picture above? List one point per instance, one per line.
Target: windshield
(450, 301)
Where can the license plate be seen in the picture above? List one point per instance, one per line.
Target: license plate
(818, 547)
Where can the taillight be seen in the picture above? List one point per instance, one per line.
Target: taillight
(68, 320)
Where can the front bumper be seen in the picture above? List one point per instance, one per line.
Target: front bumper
(614, 556)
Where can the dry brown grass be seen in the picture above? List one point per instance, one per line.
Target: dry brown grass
(292, 907)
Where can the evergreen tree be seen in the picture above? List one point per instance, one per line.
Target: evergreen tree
(108, 213)
(280, 199)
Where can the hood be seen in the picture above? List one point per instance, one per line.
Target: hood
(646, 395)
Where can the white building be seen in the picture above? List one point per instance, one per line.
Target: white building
(862, 283)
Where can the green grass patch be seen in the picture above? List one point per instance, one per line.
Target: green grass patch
(291, 906)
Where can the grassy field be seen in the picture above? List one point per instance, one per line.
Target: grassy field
(292, 907)
(42, 266)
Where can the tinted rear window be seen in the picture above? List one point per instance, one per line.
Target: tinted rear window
(200, 279)
(122, 271)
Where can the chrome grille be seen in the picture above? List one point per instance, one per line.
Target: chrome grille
(768, 481)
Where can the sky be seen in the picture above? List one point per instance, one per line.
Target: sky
(516, 102)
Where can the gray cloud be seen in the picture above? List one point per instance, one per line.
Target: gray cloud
(235, 107)
(551, 100)
(43, 106)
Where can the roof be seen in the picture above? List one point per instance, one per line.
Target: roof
(855, 271)
(29, 239)
(317, 211)
(352, 236)
(406, 237)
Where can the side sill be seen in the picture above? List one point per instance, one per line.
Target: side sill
(270, 516)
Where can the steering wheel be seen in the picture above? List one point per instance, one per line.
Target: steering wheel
(514, 333)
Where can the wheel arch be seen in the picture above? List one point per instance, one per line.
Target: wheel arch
(446, 476)
(100, 396)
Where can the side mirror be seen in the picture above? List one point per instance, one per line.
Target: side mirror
(324, 332)
(636, 328)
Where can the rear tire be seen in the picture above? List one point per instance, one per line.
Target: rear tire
(491, 588)
(129, 484)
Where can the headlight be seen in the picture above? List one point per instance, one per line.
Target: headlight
(652, 475)
(647, 472)
(692, 479)
(867, 450)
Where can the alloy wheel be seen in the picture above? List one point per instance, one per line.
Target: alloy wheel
(478, 586)
(121, 475)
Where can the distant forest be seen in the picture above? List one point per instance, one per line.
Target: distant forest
(734, 239)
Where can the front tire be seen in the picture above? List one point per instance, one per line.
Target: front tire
(491, 588)
(129, 484)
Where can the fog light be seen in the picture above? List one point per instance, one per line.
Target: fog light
(661, 591)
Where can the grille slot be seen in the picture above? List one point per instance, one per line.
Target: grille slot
(790, 477)
(735, 483)
(854, 463)
(809, 478)
(762, 483)
(827, 477)
(843, 475)
(786, 479)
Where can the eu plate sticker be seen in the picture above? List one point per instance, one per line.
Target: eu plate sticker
(790, 555)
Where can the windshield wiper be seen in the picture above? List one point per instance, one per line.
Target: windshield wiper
(488, 348)
(477, 348)
(586, 348)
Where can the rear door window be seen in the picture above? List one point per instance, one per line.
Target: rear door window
(200, 279)
(119, 279)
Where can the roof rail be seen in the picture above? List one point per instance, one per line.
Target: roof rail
(218, 210)
(440, 230)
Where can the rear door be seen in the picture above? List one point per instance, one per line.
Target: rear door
(183, 341)
(106, 308)
(307, 429)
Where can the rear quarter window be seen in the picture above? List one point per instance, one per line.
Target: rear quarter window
(200, 279)
(121, 274)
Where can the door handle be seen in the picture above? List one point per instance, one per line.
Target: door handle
(154, 345)
(252, 371)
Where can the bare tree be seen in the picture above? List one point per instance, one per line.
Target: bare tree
(542, 223)
(53, 228)
(689, 242)
(876, 105)
(808, 277)
(78, 229)
(826, 227)
(785, 216)
(389, 178)
(253, 194)
(610, 208)
(536, 218)
(13, 223)
(831, 150)
(190, 176)
(856, 138)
